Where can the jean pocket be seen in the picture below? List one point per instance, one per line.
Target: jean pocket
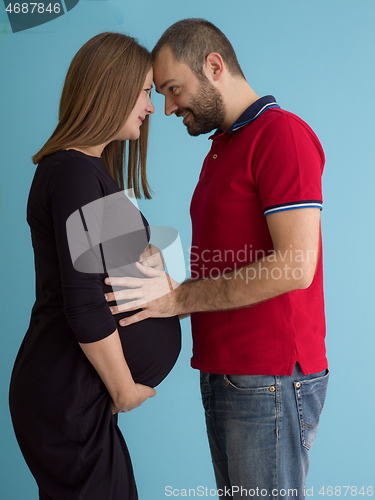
(250, 384)
(310, 396)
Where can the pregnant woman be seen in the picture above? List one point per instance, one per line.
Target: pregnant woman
(76, 370)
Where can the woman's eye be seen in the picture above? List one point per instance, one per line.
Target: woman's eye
(148, 91)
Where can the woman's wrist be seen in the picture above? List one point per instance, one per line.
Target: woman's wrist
(125, 395)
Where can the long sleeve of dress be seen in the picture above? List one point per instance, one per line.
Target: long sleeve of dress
(71, 184)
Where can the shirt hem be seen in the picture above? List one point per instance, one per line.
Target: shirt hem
(263, 369)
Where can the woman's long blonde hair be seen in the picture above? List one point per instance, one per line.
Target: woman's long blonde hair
(103, 83)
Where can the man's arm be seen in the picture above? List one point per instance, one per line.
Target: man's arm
(295, 235)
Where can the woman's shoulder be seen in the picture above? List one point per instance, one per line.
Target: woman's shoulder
(71, 160)
(72, 179)
(71, 166)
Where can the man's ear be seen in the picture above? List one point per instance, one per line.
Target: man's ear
(214, 66)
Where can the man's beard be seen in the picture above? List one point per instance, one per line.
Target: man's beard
(206, 108)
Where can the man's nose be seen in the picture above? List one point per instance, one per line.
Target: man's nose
(170, 107)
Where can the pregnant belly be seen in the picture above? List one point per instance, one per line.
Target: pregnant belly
(151, 348)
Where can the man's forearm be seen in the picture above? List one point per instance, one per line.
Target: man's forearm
(245, 286)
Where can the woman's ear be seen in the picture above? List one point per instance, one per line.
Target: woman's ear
(214, 66)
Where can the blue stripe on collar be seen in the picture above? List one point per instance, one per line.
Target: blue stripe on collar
(252, 112)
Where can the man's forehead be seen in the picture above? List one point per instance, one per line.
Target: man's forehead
(164, 56)
(167, 69)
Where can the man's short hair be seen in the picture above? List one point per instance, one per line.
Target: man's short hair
(191, 40)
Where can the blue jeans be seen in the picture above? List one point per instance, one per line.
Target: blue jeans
(260, 428)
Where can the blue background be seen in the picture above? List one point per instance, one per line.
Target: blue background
(317, 58)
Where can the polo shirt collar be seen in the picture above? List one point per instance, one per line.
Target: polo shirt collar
(251, 113)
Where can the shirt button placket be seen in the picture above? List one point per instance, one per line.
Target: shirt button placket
(208, 173)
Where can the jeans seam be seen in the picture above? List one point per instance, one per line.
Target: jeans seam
(278, 425)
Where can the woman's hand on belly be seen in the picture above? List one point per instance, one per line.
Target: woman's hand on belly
(152, 257)
(107, 357)
(134, 398)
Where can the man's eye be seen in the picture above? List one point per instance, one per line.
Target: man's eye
(173, 89)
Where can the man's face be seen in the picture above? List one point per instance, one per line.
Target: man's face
(196, 100)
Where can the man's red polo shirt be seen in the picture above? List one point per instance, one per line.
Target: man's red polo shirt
(269, 160)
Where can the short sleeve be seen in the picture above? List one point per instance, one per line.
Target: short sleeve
(288, 165)
(72, 184)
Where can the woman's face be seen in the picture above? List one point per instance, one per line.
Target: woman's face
(142, 108)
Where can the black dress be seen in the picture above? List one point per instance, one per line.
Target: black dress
(61, 410)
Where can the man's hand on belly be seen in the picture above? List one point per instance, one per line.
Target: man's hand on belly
(153, 294)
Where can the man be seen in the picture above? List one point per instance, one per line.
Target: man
(256, 293)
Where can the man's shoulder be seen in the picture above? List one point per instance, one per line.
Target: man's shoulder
(280, 121)
(274, 118)
(281, 117)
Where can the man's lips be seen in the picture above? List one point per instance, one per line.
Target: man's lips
(185, 115)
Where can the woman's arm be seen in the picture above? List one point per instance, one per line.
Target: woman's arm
(107, 357)
(73, 184)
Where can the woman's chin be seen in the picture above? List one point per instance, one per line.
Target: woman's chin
(135, 136)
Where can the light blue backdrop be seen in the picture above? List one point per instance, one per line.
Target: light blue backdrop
(317, 58)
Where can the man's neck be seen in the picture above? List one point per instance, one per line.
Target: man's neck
(238, 97)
